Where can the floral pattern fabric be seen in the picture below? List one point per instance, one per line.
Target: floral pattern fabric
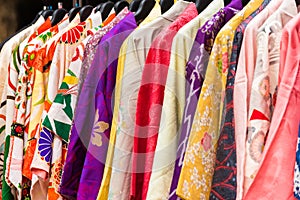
(173, 105)
(278, 159)
(23, 107)
(224, 180)
(195, 74)
(198, 167)
(64, 51)
(242, 87)
(41, 64)
(264, 87)
(9, 97)
(31, 59)
(79, 143)
(60, 115)
(23, 93)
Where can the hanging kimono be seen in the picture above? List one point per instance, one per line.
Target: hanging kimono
(224, 179)
(120, 156)
(198, 168)
(150, 99)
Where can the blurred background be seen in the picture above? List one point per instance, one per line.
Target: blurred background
(15, 14)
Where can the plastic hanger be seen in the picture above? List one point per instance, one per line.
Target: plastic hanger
(58, 15)
(85, 12)
(47, 13)
(120, 5)
(73, 12)
(43, 13)
(105, 9)
(134, 5)
(165, 5)
(98, 7)
(202, 4)
(144, 9)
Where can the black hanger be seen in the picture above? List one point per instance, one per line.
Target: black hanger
(73, 12)
(98, 7)
(120, 5)
(58, 15)
(202, 4)
(47, 13)
(85, 12)
(134, 5)
(105, 9)
(144, 10)
(165, 5)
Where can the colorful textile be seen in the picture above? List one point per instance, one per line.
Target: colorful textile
(84, 117)
(173, 105)
(274, 178)
(97, 148)
(198, 167)
(195, 74)
(150, 100)
(118, 177)
(224, 179)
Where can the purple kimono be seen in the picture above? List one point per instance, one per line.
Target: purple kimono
(83, 169)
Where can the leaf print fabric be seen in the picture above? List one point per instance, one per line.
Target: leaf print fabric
(99, 128)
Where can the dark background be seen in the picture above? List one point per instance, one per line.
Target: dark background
(28, 9)
(16, 14)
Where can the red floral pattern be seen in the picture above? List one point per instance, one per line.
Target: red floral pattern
(72, 36)
(206, 141)
(17, 130)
